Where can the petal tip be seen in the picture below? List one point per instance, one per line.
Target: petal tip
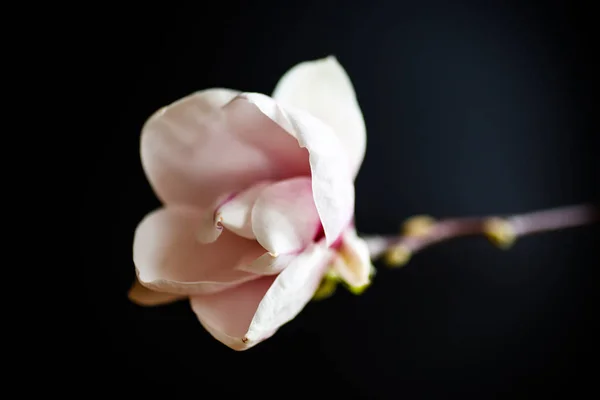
(332, 59)
(207, 236)
(210, 229)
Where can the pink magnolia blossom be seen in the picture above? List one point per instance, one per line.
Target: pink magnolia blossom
(258, 197)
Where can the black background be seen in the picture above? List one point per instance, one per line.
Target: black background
(470, 109)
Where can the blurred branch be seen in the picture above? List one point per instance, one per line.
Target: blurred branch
(420, 232)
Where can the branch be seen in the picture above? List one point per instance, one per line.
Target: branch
(420, 232)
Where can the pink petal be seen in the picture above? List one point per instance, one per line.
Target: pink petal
(332, 182)
(353, 261)
(227, 315)
(168, 257)
(206, 145)
(284, 217)
(250, 313)
(285, 221)
(323, 89)
(234, 212)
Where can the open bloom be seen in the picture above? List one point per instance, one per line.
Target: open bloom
(258, 197)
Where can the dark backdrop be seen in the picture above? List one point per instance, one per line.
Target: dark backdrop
(470, 109)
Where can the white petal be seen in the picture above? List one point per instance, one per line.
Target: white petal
(268, 264)
(209, 225)
(168, 258)
(332, 184)
(208, 144)
(232, 211)
(252, 312)
(284, 217)
(290, 292)
(236, 214)
(323, 88)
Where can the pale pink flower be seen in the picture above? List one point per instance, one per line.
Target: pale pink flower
(258, 197)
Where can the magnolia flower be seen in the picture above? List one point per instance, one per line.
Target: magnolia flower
(258, 197)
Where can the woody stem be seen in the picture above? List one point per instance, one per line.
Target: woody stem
(421, 232)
